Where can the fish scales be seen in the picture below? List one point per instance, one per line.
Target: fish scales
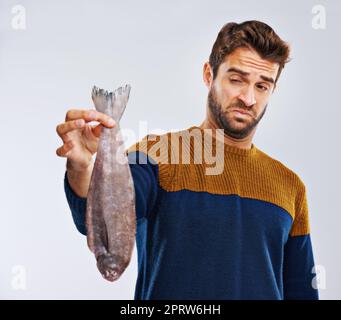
(110, 213)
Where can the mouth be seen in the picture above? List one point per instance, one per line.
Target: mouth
(241, 112)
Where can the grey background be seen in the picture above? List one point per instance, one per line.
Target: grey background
(159, 47)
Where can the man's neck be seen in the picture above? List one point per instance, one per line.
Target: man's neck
(243, 143)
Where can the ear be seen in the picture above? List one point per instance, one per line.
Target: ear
(207, 74)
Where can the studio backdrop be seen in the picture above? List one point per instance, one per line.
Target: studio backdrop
(51, 55)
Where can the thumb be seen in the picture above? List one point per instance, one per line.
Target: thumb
(96, 130)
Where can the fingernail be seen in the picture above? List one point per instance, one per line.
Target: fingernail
(92, 115)
(111, 122)
(79, 122)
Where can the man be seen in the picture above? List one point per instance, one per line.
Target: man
(241, 233)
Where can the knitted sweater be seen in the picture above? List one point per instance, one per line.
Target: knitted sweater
(240, 234)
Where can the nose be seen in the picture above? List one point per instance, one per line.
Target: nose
(248, 97)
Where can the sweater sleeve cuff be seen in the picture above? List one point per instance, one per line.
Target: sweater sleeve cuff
(77, 205)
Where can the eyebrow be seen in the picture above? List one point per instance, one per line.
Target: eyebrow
(244, 73)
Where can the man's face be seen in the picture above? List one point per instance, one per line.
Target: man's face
(239, 95)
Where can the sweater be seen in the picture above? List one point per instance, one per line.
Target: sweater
(240, 233)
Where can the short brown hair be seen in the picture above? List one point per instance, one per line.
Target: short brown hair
(254, 35)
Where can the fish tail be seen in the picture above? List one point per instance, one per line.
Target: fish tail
(111, 103)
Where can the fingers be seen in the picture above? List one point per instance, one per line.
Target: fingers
(77, 119)
(64, 149)
(68, 126)
(90, 115)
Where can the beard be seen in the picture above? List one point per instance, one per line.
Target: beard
(227, 122)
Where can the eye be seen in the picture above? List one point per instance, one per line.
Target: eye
(263, 88)
(235, 80)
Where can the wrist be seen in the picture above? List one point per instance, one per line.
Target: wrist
(79, 169)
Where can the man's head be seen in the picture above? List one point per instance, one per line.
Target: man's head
(244, 66)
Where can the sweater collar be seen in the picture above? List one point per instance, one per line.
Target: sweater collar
(227, 148)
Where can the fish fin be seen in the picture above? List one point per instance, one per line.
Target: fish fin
(120, 99)
(111, 103)
(102, 100)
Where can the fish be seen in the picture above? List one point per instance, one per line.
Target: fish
(110, 208)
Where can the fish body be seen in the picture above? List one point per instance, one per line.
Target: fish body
(110, 212)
